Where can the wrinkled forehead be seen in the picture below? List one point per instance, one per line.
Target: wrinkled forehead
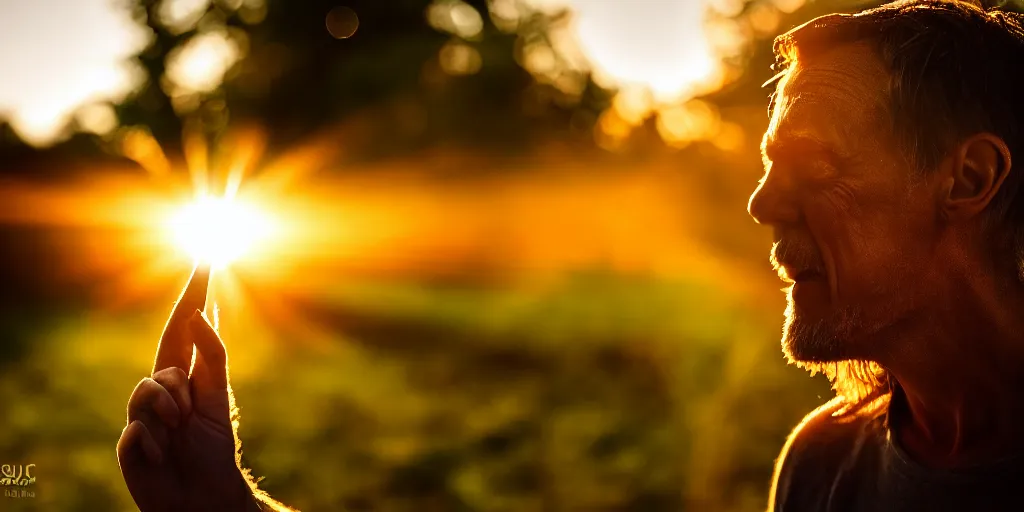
(837, 96)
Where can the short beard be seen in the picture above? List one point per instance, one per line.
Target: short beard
(827, 340)
(835, 347)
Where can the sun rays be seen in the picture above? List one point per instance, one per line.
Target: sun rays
(220, 230)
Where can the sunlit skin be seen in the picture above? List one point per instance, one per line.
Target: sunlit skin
(902, 272)
(841, 204)
(178, 450)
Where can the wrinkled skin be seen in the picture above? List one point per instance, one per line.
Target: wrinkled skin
(853, 228)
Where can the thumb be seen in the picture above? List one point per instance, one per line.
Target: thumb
(209, 377)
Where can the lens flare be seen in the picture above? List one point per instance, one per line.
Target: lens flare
(218, 230)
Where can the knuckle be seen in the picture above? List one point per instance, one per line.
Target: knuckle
(130, 434)
(153, 427)
(149, 396)
(143, 390)
(179, 373)
(125, 437)
(171, 377)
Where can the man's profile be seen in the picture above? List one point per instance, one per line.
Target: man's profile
(897, 211)
(898, 217)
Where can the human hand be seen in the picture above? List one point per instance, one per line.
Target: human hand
(178, 450)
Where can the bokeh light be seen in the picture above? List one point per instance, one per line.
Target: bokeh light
(455, 17)
(342, 22)
(460, 59)
(59, 55)
(98, 118)
(200, 65)
(181, 15)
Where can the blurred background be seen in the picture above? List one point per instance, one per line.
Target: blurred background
(474, 255)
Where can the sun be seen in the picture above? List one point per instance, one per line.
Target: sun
(219, 230)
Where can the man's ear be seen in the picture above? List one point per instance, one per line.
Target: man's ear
(977, 169)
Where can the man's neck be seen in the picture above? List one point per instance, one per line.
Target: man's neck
(965, 431)
(960, 377)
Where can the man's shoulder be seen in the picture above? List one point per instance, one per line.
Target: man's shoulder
(825, 444)
(828, 427)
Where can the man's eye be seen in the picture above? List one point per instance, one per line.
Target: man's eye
(814, 169)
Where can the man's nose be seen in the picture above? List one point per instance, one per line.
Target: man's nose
(773, 201)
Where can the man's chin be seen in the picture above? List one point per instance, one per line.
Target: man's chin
(811, 339)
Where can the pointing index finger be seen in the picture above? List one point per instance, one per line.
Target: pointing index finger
(175, 348)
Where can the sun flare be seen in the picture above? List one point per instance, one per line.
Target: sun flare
(219, 230)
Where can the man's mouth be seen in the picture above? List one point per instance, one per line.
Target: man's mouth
(808, 275)
(792, 275)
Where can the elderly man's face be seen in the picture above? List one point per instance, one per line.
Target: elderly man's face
(853, 225)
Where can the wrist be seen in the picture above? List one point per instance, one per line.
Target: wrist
(255, 505)
(250, 502)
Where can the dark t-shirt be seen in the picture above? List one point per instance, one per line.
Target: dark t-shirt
(855, 465)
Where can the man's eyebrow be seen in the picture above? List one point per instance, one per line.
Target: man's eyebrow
(792, 146)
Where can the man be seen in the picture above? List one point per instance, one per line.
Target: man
(890, 187)
(899, 218)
